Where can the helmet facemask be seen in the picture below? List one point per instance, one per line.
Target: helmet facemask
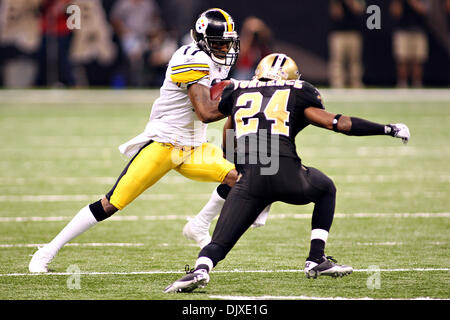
(223, 51)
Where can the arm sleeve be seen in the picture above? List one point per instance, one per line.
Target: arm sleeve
(362, 127)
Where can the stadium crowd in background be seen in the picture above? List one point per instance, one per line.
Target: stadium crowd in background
(127, 43)
(256, 43)
(410, 43)
(346, 43)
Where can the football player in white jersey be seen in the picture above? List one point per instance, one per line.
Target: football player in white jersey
(175, 136)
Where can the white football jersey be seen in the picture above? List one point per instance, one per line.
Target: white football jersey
(173, 119)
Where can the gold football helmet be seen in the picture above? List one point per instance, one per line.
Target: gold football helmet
(277, 66)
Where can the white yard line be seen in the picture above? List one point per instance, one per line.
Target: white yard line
(92, 244)
(362, 178)
(107, 244)
(271, 216)
(395, 243)
(81, 180)
(203, 196)
(91, 197)
(364, 215)
(216, 271)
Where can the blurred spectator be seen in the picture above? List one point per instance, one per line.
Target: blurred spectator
(19, 40)
(410, 41)
(345, 43)
(92, 46)
(256, 42)
(54, 64)
(134, 22)
(163, 44)
(180, 16)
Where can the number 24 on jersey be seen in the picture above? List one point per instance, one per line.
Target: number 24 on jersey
(275, 110)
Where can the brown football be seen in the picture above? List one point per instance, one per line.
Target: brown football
(217, 89)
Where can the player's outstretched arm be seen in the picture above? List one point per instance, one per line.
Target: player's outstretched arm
(205, 108)
(353, 126)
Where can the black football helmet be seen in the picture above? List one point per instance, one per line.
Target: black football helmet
(214, 32)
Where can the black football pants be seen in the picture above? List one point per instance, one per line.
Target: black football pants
(293, 184)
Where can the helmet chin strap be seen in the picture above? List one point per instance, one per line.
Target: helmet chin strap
(192, 35)
(214, 57)
(218, 59)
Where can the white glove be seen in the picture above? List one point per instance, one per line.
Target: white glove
(400, 130)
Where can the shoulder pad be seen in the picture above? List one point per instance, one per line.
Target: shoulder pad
(189, 64)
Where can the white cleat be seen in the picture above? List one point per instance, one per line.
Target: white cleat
(196, 233)
(40, 260)
(190, 282)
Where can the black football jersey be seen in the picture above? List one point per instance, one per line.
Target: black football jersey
(267, 115)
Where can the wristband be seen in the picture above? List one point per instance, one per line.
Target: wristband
(335, 122)
(390, 130)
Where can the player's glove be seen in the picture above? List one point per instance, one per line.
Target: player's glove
(399, 130)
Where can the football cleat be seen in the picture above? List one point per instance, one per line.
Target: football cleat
(191, 281)
(40, 260)
(200, 235)
(327, 266)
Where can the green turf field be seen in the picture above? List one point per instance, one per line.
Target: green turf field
(59, 153)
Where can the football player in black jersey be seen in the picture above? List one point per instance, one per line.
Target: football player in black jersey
(267, 113)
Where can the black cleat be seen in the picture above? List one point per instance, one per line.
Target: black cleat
(327, 266)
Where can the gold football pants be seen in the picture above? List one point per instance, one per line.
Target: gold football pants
(154, 160)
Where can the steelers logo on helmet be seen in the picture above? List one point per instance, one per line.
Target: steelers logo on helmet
(201, 24)
(215, 34)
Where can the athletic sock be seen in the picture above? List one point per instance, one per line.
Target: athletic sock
(82, 221)
(203, 263)
(317, 250)
(318, 241)
(211, 209)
